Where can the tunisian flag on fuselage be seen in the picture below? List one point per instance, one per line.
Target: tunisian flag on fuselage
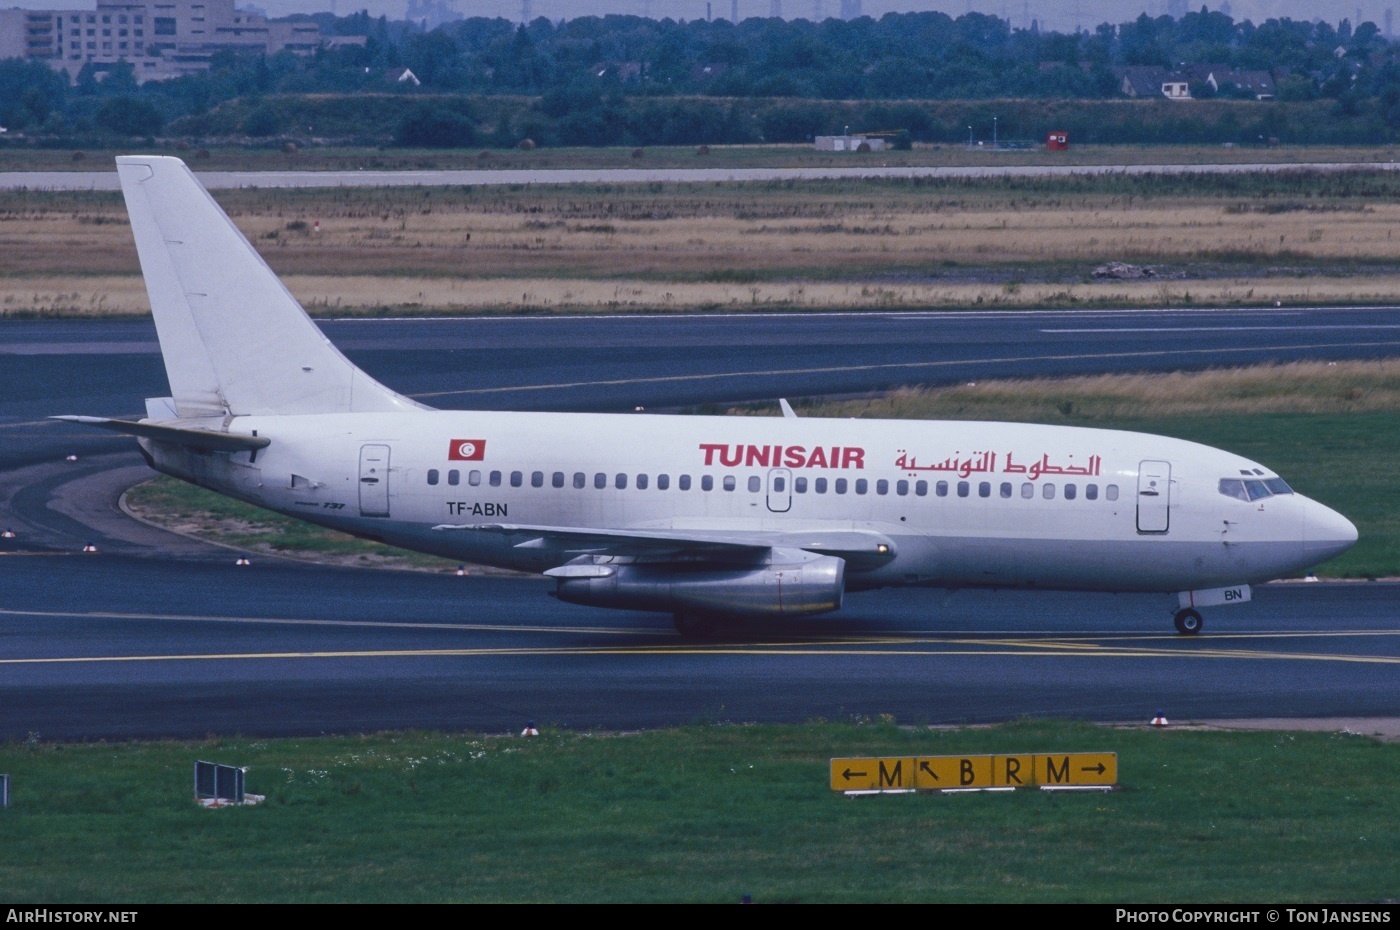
(467, 450)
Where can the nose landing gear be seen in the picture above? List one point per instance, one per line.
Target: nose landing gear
(1188, 622)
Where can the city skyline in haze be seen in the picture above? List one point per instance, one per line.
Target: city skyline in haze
(1052, 15)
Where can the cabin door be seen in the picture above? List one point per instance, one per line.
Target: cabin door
(779, 490)
(374, 481)
(1154, 496)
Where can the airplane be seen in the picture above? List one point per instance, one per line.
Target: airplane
(712, 519)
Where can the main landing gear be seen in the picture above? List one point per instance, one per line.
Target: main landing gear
(1188, 622)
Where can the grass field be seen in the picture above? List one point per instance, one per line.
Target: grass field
(703, 814)
(1255, 239)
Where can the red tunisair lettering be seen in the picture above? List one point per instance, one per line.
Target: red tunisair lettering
(727, 455)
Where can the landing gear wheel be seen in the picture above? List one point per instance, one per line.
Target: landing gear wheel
(696, 625)
(1188, 622)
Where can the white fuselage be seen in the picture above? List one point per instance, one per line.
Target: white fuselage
(964, 503)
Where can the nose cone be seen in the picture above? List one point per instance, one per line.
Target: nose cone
(1326, 533)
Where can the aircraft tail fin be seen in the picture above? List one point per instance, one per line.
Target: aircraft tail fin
(235, 340)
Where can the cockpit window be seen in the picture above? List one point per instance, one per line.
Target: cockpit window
(1233, 487)
(1253, 489)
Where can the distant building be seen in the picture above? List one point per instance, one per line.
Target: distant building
(1148, 81)
(849, 144)
(160, 38)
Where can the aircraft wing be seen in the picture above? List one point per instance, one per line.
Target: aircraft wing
(860, 548)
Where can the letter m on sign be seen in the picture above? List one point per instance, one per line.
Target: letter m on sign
(892, 776)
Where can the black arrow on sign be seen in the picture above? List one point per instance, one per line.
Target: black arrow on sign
(923, 766)
(1100, 768)
(848, 774)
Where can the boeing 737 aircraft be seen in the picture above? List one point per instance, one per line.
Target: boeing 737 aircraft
(706, 518)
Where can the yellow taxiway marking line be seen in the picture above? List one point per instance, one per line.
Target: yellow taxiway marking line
(690, 650)
(894, 366)
(299, 621)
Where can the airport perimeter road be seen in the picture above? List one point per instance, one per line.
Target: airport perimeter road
(215, 180)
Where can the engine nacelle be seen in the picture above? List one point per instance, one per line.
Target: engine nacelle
(786, 583)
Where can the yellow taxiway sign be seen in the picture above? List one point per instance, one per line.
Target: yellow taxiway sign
(944, 773)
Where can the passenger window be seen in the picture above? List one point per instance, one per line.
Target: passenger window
(779, 484)
(600, 481)
(536, 479)
(707, 482)
(621, 482)
(882, 486)
(663, 482)
(756, 484)
(494, 479)
(1070, 492)
(1111, 492)
(1048, 492)
(1006, 489)
(941, 489)
(641, 482)
(580, 479)
(729, 483)
(901, 488)
(1091, 492)
(684, 482)
(517, 479)
(862, 485)
(921, 488)
(1233, 487)
(840, 485)
(799, 485)
(1027, 491)
(984, 489)
(454, 477)
(432, 476)
(474, 478)
(557, 479)
(819, 485)
(963, 488)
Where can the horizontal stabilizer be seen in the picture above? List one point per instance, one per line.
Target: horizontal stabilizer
(200, 440)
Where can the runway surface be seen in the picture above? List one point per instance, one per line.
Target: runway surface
(156, 635)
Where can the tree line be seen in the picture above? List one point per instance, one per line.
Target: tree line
(630, 80)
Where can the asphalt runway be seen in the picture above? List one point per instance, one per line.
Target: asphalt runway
(156, 635)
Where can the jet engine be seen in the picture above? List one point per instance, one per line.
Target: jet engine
(777, 583)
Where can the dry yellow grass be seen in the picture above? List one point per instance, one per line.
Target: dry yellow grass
(361, 295)
(731, 246)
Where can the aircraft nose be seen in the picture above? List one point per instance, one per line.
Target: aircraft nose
(1326, 533)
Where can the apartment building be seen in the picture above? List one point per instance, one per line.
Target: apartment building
(160, 38)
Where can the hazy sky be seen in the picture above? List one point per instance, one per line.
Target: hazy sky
(1059, 15)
